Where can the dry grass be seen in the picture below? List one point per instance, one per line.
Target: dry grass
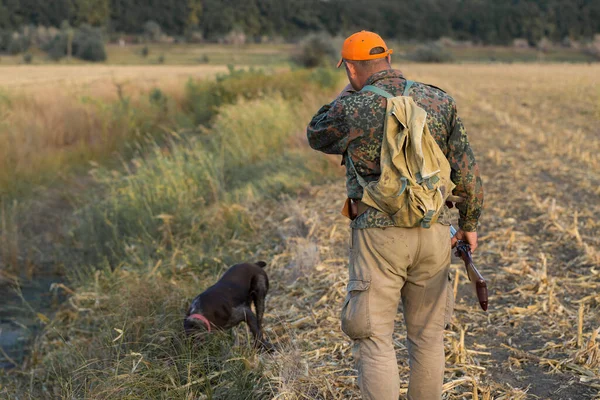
(55, 117)
(98, 80)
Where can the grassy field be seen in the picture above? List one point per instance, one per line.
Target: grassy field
(147, 236)
(98, 80)
(55, 118)
(280, 54)
(179, 54)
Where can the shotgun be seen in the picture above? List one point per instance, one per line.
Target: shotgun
(463, 250)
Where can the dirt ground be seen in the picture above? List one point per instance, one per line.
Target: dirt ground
(535, 133)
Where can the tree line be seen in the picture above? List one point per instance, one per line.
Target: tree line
(486, 21)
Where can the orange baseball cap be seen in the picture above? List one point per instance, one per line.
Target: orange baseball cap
(358, 47)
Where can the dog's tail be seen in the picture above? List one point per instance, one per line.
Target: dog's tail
(261, 264)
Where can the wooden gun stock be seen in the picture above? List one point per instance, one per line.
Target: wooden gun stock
(464, 252)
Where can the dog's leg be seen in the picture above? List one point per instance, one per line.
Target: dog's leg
(253, 325)
(259, 294)
(258, 297)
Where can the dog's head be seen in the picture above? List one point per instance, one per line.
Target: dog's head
(195, 321)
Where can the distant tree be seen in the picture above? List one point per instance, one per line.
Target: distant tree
(91, 12)
(487, 21)
(194, 13)
(152, 31)
(88, 44)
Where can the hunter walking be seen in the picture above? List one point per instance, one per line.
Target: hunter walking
(406, 151)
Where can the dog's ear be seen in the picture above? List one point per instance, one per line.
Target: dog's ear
(261, 264)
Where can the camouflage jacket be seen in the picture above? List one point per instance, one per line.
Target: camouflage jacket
(353, 123)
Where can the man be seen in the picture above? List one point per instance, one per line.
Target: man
(387, 262)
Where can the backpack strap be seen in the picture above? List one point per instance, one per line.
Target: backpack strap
(407, 88)
(379, 91)
(363, 183)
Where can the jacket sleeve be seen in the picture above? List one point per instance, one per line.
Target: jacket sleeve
(328, 131)
(465, 175)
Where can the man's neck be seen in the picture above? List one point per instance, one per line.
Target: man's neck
(371, 73)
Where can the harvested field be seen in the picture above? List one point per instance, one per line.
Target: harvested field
(94, 80)
(535, 133)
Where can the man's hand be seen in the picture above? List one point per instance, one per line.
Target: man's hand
(469, 237)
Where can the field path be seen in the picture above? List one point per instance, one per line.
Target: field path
(540, 251)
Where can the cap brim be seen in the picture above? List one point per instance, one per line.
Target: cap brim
(339, 64)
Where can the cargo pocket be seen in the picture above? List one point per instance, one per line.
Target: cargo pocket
(355, 312)
(449, 301)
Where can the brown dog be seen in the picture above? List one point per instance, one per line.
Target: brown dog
(228, 302)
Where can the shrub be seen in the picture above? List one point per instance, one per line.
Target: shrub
(5, 39)
(27, 58)
(159, 100)
(431, 53)
(57, 47)
(152, 31)
(204, 59)
(161, 59)
(316, 51)
(203, 98)
(88, 44)
(15, 46)
(145, 51)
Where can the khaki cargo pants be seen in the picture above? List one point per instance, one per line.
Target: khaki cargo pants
(387, 265)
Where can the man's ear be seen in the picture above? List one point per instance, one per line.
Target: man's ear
(350, 69)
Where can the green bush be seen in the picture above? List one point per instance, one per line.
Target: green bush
(203, 98)
(5, 39)
(161, 59)
(431, 53)
(204, 59)
(88, 44)
(316, 51)
(16, 46)
(183, 197)
(152, 31)
(145, 51)
(57, 47)
(245, 152)
(27, 58)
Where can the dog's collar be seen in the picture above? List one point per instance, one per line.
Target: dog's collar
(201, 318)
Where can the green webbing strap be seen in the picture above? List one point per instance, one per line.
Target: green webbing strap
(426, 221)
(407, 88)
(379, 91)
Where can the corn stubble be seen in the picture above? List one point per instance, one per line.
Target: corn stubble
(534, 131)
